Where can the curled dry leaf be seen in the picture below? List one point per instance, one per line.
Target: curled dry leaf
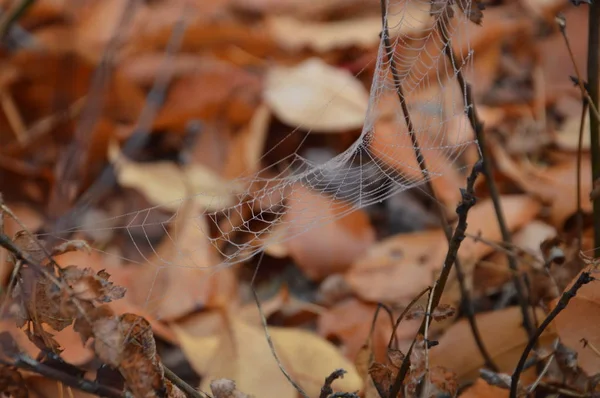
(242, 354)
(502, 334)
(383, 377)
(579, 321)
(126, 342)
(316, 96)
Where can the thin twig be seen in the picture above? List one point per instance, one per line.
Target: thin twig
(578, 176)
(403, 314)
(584, 278)
(586, 343)
(593, 72)
(467, 202)
(588, 104)
(268, 335)
(181, 384)
(465, 296)
(29, 364)
(562, 24)
(477, 126)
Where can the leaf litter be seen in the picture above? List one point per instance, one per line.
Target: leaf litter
(251, 71)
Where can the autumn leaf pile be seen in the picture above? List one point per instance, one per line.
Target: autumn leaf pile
(81, 83)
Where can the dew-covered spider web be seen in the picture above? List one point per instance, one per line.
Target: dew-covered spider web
(275, 203)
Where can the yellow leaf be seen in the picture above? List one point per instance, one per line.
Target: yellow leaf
(242, 354)
(164, 183)
(317, 96)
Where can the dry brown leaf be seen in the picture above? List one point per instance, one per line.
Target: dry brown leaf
(316, 96)
(12, 383)
(219, 91)
(183, 276)
(242, 354)
(324, 236)
(392, 144)
(247, 147)
(555, 185)
(298, 7)
(166, 184)
(502, 334)
(580, 321)
(295, 34)
(398, 268)
(349, 321)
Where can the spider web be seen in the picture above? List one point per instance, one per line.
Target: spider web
(236, 225)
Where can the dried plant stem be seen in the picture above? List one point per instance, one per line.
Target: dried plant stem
(468, 201)
(477, 126)
(588, 104)
(578, 176)
(593, 72)
(584, 278)
(188, 390)
(465, 296)
(29, 364)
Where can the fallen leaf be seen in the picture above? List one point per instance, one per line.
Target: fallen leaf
(316, 96)
(295, 34)
(323, 235)
(578, 321)
(166, 184)
(242, 354)
(555, 185)
(349, 321)
(502, 334)
(219, 91)
(567, 136)
(248, 146)
(391, 143)
(396, 269)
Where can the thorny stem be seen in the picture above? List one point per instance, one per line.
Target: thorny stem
(465, 296)
(477, 126)
(584, 278)
(468, 201)
(593, 72)
(26, 363)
